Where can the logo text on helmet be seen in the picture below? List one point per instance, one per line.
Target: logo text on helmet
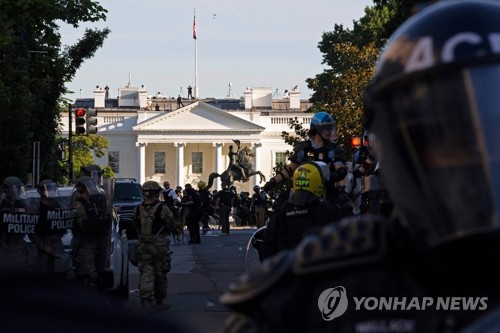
(422, 55)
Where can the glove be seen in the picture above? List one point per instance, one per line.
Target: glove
(269, 185)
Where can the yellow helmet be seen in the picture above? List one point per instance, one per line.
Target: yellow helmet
(309, 178)
(202, 185)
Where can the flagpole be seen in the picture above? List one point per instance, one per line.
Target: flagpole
(195, 56)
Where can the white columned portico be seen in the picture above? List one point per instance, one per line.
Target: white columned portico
(179, 152)
(256, 162)
(141, 160)
(218, 163)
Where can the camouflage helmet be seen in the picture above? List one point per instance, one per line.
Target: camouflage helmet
(151, 186)
(202, 185)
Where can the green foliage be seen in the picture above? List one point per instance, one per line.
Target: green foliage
(33, 72)
(84, 147)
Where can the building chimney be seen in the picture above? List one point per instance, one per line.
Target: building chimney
(248, 99)
(143, 97)
(99, 97)
(294, 98)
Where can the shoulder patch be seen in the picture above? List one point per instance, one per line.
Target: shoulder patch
(349, 242)
(254, 283)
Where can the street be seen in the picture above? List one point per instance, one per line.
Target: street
(200, 274)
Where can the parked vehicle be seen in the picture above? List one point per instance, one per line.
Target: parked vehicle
(116, 273)
(127, 195)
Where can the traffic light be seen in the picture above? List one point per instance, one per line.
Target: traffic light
(91, 121)
(356, 142)
(81, 121)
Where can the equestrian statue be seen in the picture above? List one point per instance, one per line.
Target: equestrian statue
(240, 167)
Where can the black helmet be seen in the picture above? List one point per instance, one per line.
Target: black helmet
(13, 188)
(85, 184)
(433, 106)
(11, 181)
(48, 188)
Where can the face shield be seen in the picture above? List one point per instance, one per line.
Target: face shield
(89, 187)
(49, 191)
(440, 152)
(327, 131)
(95, 175)
(13, 193)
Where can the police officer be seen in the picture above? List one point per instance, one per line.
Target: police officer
(154, 221)
(13, 207)
(306, 209)
(53, 222)
(206, 205)
(102, 200)
(433, 106)
(318, 147)
(86, 232)
(258, 206)
(224, 200)
(194, 204)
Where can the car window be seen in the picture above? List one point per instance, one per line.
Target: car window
(128, 191)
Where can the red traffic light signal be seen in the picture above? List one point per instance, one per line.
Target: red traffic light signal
(81, 120)
(356, 142)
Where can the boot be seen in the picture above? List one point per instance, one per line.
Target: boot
(160, 306)
(147, 305)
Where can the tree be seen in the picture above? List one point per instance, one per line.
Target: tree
(350, 56)
(84, 148)
(33, 72)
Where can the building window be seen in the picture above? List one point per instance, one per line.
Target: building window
(280, 158)
(159, 162)
(114, 161)
(197, 158)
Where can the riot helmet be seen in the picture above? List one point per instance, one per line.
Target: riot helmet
(322, 123)
(13, 193)
(308, 182)
(94, 171)
(433, 105)
(256, 188)
(47, 188)
(151, 189)
(86, 185)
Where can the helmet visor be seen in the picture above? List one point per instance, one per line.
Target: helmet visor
(91, 187)
(327, 130)
(49, 191)
(440, 152)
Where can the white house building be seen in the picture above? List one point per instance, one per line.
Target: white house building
(151, 138)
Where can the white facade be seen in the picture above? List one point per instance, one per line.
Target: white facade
(138, 135)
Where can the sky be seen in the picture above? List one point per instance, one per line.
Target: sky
(239, 45)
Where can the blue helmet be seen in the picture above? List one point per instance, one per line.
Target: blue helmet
(323, 121)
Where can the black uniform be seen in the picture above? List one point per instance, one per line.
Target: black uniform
(193, 201)
(366, 275)
(433, 107)
(290, 224)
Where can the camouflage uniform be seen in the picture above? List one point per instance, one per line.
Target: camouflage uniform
(153, 220)
(87, 232)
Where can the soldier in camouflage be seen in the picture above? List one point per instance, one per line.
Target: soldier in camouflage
(86, 229)
(154, 221)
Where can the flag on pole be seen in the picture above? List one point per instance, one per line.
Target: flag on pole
(194, 27)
